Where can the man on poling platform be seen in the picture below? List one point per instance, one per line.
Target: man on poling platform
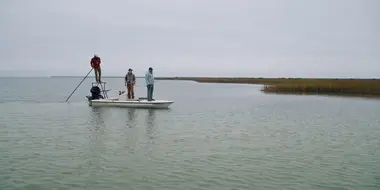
(130, 81)
(95, 64)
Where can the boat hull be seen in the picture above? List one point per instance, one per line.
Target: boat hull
(156, 104)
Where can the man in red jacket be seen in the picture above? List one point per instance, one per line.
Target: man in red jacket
(95, 64)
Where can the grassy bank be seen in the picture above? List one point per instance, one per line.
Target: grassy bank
(346, 87)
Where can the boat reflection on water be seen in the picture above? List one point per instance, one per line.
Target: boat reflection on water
(94, 153)
(96, 118)
(151, 133)
(151, 118)
(131, 123)
(132, 116)
(150, 123)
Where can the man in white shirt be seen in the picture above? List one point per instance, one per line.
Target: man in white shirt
(149, 79)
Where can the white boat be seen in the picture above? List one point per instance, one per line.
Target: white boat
(115, 102)
(123, 101)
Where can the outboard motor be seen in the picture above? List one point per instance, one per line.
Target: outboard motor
(95, 93)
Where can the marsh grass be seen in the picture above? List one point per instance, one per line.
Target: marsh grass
(336, 89)
(348, 87)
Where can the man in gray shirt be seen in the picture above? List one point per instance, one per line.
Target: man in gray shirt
(130, 81)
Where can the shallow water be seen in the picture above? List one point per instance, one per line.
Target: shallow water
(215, 136)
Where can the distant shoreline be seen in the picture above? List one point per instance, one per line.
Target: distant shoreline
(357, 87)
(224, 79)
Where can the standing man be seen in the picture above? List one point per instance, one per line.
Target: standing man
(95, 64)
(130, 81)
(149, 79)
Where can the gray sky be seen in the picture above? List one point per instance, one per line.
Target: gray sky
(254, 38)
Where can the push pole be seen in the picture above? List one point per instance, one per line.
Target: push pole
(79, 84)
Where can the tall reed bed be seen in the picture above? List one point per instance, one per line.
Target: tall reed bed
(352, 87)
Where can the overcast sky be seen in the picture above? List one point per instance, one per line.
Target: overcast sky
(254, 38)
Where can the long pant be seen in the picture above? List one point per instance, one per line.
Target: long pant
(150, 92)
(98, 74)
(131, 94)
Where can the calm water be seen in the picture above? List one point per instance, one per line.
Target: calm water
(216, 136)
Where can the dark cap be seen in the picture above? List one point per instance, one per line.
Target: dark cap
(150, 68)
(130, 69)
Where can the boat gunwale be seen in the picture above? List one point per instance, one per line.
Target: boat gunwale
(131, 102)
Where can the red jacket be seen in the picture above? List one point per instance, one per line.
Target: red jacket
(95, 62)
